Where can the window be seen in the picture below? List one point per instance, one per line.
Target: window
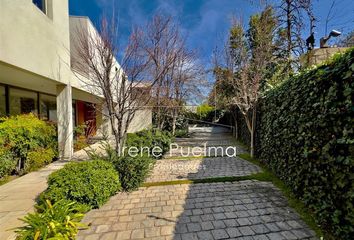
(2, 101)
(48, 107)
(22, 101)
(41, 4)
(74, 114)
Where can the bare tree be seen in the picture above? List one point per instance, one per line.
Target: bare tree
(291, 22)
(347, 40)
(162, 43)
(116, 83)
(186, 75)
(245, 66)
(225, 65)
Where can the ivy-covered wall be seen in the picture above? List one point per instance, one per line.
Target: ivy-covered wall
(305, 135)
(306, 138)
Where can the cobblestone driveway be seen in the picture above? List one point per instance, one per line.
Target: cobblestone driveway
(239, 210)
(168, 170)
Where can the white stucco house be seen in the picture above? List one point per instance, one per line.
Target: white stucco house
(37, 40)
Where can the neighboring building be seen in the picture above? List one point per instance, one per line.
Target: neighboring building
(319, 55)
(36, 75)
(191, 108)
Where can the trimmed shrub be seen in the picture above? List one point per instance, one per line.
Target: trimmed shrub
(150, 139)
(307, 137)
(58, 221)
(26, 133)
(133, 170)
(7, 163)
(90, 183)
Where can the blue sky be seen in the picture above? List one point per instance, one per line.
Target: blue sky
(205, 22)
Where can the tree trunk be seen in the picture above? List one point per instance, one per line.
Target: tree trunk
(253, 127)
(236, 129)
(158, 117)
(252, 145)
(162, 124)
(174, 120)
(288, 26)
(249, 127)
(234, 116)
(115, 133)
(158, 105)
(117, 143)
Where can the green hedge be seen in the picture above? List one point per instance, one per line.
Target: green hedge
(89, 183)
(7, 163)
(306, 138)
(31, 141)
(204, 112)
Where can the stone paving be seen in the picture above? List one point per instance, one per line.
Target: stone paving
(205, 144)
(210, 151)
(174, 169)
(239, 210)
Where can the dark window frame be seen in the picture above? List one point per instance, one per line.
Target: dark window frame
(7, 97)
(39, 102)
(4, 104)
(7, 100)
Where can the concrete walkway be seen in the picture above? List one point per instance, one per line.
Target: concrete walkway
(17, 198)
(238, 210)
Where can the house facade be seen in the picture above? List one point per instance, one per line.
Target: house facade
(36, 72)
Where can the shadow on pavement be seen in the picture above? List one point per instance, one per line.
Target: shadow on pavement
(238, 210)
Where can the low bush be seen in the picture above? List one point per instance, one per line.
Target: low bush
(23, 134)
(7, 163)
(139, 139)
(150, 139)
(58, 221)
(162, 139)
(37, 159)
(89, 183)
(181, 122)
(182, 133)
(133, 170)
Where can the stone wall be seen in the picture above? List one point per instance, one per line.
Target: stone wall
(319, 55)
